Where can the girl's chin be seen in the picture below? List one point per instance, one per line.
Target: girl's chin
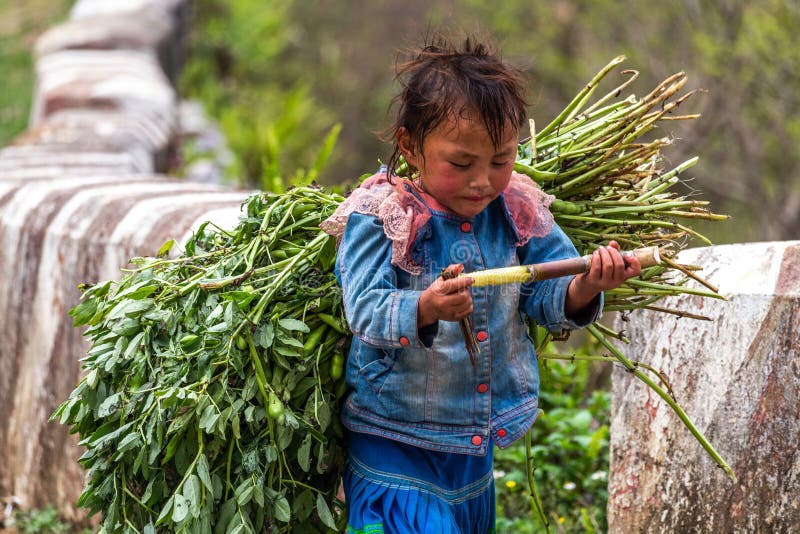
(469, 208)
(467, 213)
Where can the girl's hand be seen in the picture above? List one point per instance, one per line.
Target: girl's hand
(608, 271)
(445, 300)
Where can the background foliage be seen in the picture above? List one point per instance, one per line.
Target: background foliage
(21, 22)
(279, 74)
(742, 53)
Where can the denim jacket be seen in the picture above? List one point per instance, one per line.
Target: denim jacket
(419, 386)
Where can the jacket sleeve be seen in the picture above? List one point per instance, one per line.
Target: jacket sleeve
(543, 301)
(378, 312)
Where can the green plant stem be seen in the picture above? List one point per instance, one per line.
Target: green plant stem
(598, 358)
(674, 289)
(581, 99)
(629, 365)
(536, 502)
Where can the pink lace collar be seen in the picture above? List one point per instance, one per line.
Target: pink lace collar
(404, 213)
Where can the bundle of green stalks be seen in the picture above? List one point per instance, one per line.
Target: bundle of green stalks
(212, 387)
(210, 401)
(609, 184)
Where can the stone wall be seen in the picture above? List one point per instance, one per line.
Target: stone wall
(81, 193)
(738, 379)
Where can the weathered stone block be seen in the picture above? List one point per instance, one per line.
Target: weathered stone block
(57, 231)
(144, 29)
(76, 130)
(118, 80)
(738, 379)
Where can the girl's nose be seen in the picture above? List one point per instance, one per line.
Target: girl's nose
(479, 179)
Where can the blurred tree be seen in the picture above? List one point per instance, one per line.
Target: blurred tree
(741, 53)
(21, 23)
(270, 118)
(348, 50)
(299, 66)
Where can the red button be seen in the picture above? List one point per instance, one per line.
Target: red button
(501, 433)
(404, 341)
(481, 336)
(483, 388)
(477, 440)
(466, 227)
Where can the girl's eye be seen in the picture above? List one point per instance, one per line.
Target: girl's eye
(459, 165)
(500, 163)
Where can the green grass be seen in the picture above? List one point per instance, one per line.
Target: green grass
(21, 23)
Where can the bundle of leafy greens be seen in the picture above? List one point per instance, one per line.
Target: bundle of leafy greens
(212, 386)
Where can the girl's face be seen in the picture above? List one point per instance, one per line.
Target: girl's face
(459, 166)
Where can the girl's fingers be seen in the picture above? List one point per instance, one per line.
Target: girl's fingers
(455, 285)
(618, 262)
(632, 267)
(462, 312)
(606, 270)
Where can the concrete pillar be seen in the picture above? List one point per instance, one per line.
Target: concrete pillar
(738, 378)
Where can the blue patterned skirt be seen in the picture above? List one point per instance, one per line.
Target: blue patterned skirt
(391, 487)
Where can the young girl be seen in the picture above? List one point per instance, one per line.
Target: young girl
(423, 418)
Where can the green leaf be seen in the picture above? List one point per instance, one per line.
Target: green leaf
(92, 378)
(282, 510)
(129, 441)
(209, 418)
(303, 505)
(137, 291)
(129, 308)
(285, 351)
(284, 436)
(323, 415)
(165, 248)
(165, 511)
(244, 492)
(110, 523)
(202, 472)
(258, 495)
(193, 491)
(133, 346)
(148, 491)
(270, 454)
(294, 325)
(102, 437)
(181, 508)
(226, 515)
(110, 405)
(322, 464)
(289, 340)
(83, 312)
(304, 454)
(97, 290)
(219, 327)
(327, 255)
(217, 312)
(264, 335)
(324, 512)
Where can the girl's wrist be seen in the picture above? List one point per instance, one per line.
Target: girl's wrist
(578, 295)
(424, 316)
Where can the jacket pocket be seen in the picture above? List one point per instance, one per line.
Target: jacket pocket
(375, 366)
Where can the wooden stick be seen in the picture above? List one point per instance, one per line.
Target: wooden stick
(470, 342)
(647, 257)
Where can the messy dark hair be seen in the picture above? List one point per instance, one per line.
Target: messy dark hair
(442, 81)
